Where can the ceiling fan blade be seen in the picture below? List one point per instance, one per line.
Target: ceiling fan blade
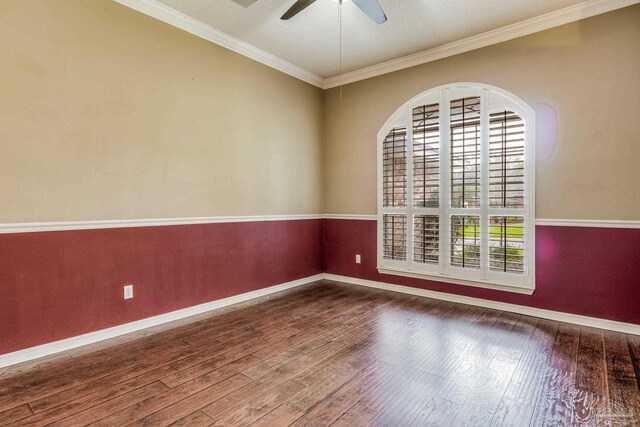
(244, 3)
(297, 7)
(372, 9)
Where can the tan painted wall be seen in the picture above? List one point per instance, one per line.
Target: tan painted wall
(109, 114)
(583, 80)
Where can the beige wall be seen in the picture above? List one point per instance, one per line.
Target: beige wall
(583, 80)
(109, 114)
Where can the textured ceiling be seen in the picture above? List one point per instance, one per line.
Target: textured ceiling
(311, 39)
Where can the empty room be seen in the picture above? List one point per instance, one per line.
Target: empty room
(320, 213)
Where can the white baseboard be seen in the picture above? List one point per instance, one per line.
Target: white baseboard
(104, 334)
(594, 322)
(94, 337)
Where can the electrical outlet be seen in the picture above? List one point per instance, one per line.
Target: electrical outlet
(358, 259)
(128, 291)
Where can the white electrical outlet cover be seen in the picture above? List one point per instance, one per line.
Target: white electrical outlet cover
(128, 291)
(358, 259)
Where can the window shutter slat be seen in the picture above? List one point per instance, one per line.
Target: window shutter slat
(465, 241)
(506, 160)
(395, 237)
(426, 156)
(506, 243)
(426, 239)
(395, 168)
(465, 170)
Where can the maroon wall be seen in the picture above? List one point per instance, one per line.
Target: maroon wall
(581, 270)
(55, 285)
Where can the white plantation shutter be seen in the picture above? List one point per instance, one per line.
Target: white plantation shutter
(394, 177)
(395, 237)
(426, 239)
(425, 212)
(465, 241)
(506, 244)
(456, 188)
(394, 169)
(506, 160)
(465, 152)
(426, 156)
(506, 191)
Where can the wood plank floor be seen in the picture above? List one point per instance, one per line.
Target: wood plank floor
(332, 354)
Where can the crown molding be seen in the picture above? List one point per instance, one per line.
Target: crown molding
(563, 16)
(540, 23)
(191, 25)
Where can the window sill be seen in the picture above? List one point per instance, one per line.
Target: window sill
(447, 279)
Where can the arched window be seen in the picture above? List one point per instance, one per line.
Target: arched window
(456, 188)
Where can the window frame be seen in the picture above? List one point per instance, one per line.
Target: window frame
(492, 99)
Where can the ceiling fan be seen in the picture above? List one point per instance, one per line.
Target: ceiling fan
(370, 7)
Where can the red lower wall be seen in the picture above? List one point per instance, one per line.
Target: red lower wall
(580, 270)
(55, 285)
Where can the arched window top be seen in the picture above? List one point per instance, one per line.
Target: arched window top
(497, 98)
(456, 188)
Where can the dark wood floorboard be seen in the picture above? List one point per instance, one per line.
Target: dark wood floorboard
(339, 355)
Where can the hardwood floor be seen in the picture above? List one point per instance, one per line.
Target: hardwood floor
(332, 354)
